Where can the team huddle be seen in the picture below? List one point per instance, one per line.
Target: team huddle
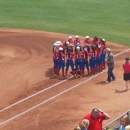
(86, 59)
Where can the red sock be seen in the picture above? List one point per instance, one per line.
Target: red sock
(58, 71)
(62, 73)
(88, 71)
(82, 72)
(55, 71)
(76, 72)
(66, 73)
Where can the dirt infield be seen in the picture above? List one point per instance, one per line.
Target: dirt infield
(26, 69)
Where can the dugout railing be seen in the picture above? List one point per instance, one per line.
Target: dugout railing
(115, 124)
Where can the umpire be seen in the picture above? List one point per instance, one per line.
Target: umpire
(110, 63)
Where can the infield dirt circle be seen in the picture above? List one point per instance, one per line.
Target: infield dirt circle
(26, 68)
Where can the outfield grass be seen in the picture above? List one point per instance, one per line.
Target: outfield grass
(107, 18)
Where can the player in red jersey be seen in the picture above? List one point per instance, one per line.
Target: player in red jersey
(95, 41)
(78, 62)
(71, 42)
(61, 44)
(98, 58)
(87, 43)
(68, 46)
(103, 54)
(100, 40)
(55, 57)
(92, 59)
(69, 60)
(77, 43)
(61, 61)
(85, 59)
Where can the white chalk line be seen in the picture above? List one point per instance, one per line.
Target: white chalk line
(41, 91)
(49, 99)
(34, 95)
(53, 97)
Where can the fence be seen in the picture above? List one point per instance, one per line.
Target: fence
(115, 124)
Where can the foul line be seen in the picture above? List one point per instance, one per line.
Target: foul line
(49, 99)
(10, 119)
(34, 94)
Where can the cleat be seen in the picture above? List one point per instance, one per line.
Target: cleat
(64, 77)
(107, 82)
(75, 76)
(113, 79)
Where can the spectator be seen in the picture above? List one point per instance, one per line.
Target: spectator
(84, 124)
(96, 118)
(77, 128)
(110, 63)
(127, 127)
(124, 121)
(126, 68)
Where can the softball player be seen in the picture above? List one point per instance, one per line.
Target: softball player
(55, 57)
(98, 58)
(78, 62)
(69, 61)
(95, 41)
(62, 45)
(85, 60)
(71, 42)
(61, 61)
(87, 43)
(77, 43)
(92, 59)
(103, 54)
(69, 47)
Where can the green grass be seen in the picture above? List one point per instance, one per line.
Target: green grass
(107, 18)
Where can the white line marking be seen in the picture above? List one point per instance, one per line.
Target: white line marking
(43, 90)
(34, 95)
(14, 117)
(49, 99)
